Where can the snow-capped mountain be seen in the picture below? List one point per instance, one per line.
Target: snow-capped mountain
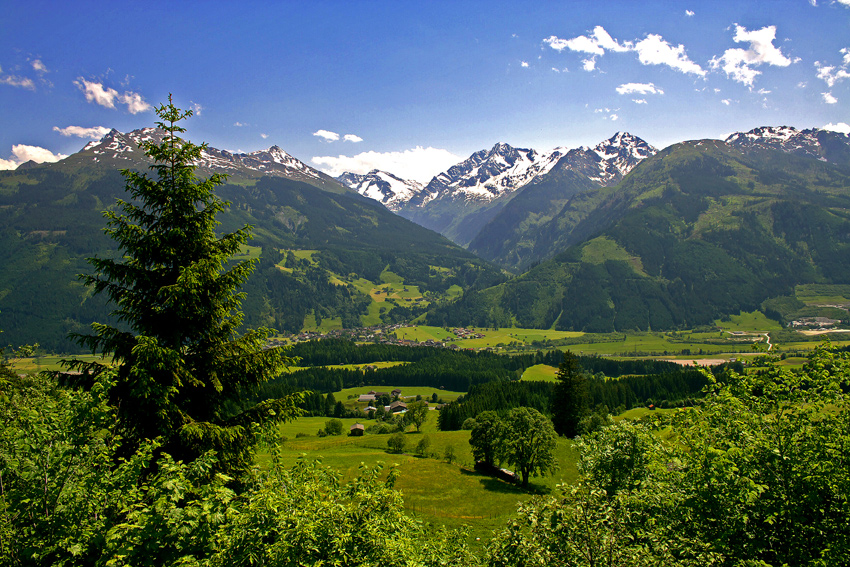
(488, 175)
(825, 145)
(273, 161)
(606, 163)
(383, 187)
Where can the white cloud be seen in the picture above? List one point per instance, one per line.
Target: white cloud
(239, 124)
(831, 74)
(654, 50)
(96, 93)
(15, 81)
(352, 138)
(523, 63)
(197, 109)
(614, 117)
(604, 40)
(38, 66)
(420, 164)
(726, 101)
(22, 153)
(327, 136)
(845, 2)
(841, 127)
(135, 103)
(639, 100)
(639, 88)
(738, 64)
(828, 98)
(689, 13)
(264, 136)
(107, 97)
(95, 132)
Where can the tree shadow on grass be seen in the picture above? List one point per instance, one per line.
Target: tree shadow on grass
(493, 484)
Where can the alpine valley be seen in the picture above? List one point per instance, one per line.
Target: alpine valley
(620, 236)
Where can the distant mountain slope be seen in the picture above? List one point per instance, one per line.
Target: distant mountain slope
(517, 235)
(118, 150)
(389, 190)
(461, 201)
(323, 248)
(701, 230)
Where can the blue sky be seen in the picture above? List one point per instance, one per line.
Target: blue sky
(413, 87)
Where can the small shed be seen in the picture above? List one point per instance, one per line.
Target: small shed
(366, 398)
(357, 430)
(396, 392)
(398, 406)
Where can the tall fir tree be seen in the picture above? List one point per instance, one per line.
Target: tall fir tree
(569, 399)
(182, 366)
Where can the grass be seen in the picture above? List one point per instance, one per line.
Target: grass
(749, 322)
(49, 362)
(437, 491)
(422, 333)
(542, 372)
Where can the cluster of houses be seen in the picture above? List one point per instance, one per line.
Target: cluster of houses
(382, 334)
(396, 406)
(814, 323)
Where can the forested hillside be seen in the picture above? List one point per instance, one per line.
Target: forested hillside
(697, 232)
(51, 221)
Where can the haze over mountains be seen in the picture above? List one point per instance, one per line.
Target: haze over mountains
(614, 237)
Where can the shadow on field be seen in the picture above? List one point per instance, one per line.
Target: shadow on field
(498, 485)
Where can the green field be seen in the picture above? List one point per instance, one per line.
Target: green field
(448, 494)
(542, 372)
(49, 362)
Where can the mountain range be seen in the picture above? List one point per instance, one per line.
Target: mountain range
(461, 201)
(614, 237)
(701, 230)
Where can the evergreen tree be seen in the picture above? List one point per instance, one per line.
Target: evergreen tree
(182, 367)
(569, 399)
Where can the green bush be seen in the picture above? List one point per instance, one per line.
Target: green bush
(397, 442)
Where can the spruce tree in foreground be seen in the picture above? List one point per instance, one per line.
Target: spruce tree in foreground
(182, 367)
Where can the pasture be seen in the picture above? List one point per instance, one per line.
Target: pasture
(450, 494)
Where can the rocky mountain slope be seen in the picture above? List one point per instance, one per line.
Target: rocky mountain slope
(384, 187)
(460, 202)
(701, 230)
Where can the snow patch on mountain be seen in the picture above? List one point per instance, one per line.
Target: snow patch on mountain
(824, 145)
(272, 161)
(384, 187)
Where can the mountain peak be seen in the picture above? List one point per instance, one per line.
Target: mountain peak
(824, 145)
(384, 187)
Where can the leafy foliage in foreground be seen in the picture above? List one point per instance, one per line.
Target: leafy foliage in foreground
(758, 474)
(65, 501)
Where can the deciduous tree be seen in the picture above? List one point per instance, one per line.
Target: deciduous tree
(529, 443)
(417, 413)
(486, 438)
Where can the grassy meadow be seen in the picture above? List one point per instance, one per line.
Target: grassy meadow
(450, 494)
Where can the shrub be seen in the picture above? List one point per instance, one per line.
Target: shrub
(397, 442)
